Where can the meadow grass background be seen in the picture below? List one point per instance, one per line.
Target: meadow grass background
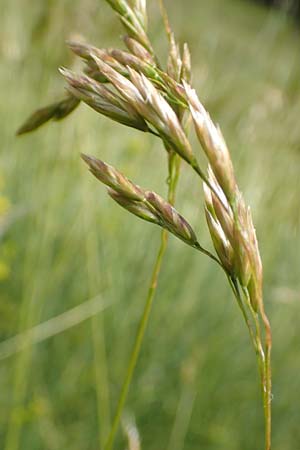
(63, 242)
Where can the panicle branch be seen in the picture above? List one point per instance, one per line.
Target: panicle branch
(145, 204)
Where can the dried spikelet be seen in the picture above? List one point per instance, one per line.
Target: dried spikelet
(113, 178)
(55, 111)
(171, 219)
(212, 143)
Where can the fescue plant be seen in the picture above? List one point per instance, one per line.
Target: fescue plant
(133, 88)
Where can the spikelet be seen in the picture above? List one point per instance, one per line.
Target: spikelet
(139, 209)
(172, 220)
(103, 100)
(113, 178)
(212, 143)
(134, 20)
(55, 111)
(186, 70)
(156, 110)
(136, 63)
(221, 243)
(138, 50)
(147, 205)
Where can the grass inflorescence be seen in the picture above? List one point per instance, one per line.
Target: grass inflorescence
(133, 88)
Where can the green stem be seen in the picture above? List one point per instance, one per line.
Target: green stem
(174, 168)
(263, 357)
(235, 288)
(265, 367)
(203, 250)
(268, 415)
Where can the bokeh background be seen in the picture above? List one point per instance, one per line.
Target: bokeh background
(63, 243)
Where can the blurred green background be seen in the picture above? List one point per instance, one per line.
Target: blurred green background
(63, 242)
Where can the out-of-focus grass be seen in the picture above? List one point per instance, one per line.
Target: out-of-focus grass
(196, 385)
